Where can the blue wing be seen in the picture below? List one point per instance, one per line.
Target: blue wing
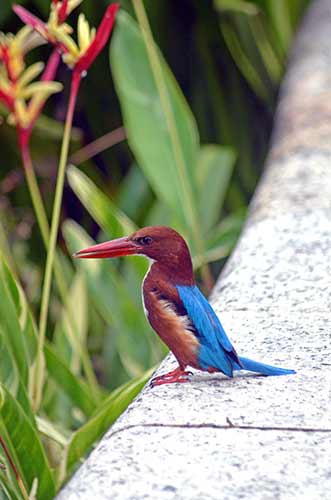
(216, 349)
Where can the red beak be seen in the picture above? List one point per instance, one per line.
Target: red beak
(114, 248)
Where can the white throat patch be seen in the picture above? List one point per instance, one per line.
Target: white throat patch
(151, 262)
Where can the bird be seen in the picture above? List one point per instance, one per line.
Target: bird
(176, 308)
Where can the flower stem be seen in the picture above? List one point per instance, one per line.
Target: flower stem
(39, 380)
(42, 220)
(37, 201)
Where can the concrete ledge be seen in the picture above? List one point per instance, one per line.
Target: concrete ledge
(252, 437)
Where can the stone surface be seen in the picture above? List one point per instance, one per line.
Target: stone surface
(207, 464)
(300, 185)
(252, 436)
(282, 262)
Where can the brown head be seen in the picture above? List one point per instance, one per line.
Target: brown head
(159, 243)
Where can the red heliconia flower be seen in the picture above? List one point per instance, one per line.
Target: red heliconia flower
(63, 9)
(19, 92)
(60, 9)
(99, 41)
(78, 56)
(32, 20)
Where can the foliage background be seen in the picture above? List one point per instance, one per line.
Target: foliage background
(228, 57)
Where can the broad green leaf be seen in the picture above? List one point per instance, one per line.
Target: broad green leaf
(221, 239)
(227, 230)
(24, 316)
(134, 194)
(9, 375)
(4, 247)
(70, 339)
(146, 123)
(9, 321)
(110, 218)
(70, 335)
(160, 215)
(25, 446)
(215, 167)
(71, 385)
(105, 415)
(18, 332)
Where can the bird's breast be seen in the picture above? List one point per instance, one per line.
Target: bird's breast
(176, 330)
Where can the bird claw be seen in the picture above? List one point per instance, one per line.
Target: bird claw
(176, 376)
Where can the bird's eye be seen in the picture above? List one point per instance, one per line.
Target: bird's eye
(144, 240)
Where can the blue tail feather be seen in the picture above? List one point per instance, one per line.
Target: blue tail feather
(255, 366)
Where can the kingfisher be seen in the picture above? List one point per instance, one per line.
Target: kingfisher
(176, 308)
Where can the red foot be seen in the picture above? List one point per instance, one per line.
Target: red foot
(175, 376)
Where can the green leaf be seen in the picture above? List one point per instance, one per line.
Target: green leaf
(264, 44)
(49, 430)
(8, 489)
(18, 329)
(18, 335)
(24, 316)
(221, 239)
(228, 229)
(215, 169)
(24, 445)
(9, 375)
(9, 321)
(241, 6)
(160, 215)
(244, 62)
(134, 193)
(72, 386)
(71, 341)
(49, 129)
(110, 218)
(105, 415)
(147, 124)
(4, 247)
(280, 16)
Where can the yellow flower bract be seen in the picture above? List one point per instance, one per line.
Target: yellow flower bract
(17, 82)
(61, 32)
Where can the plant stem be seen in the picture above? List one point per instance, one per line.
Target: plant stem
(173, 131)
(98, 146)
(41, 216)
(15, 470)
(39, 381)
(37, 201)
